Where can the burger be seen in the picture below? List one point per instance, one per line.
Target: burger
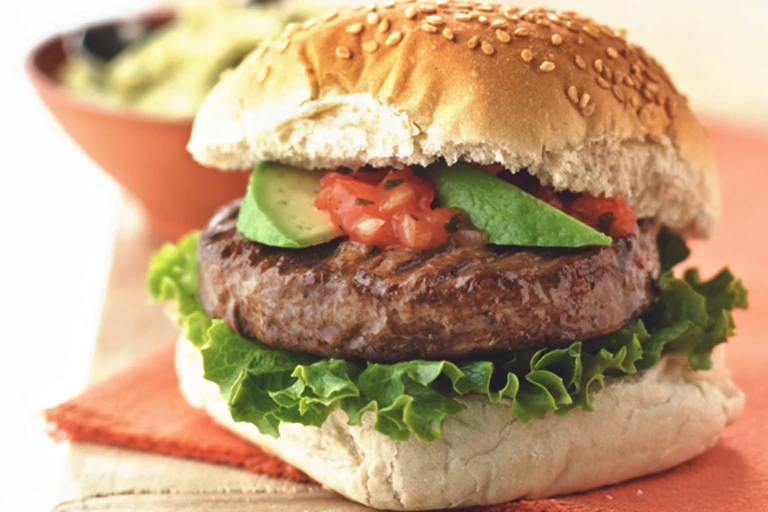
(450, 281)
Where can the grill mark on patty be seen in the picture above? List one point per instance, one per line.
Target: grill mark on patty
(465, 299)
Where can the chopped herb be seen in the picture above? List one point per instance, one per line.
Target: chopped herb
(390, 184)
(414, 217)
(363, 202)
(453, 224)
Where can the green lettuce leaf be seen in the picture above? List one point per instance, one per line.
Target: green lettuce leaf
(267, 386)
(672, 249)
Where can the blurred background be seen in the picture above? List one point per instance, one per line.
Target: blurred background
(61, 213)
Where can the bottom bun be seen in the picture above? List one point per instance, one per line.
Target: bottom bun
(641, 424)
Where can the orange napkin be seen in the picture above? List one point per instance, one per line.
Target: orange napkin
(141, 408)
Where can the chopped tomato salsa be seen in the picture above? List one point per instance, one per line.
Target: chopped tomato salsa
(386, 208)
(609, 215)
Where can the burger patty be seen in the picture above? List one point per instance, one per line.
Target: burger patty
(348, 300)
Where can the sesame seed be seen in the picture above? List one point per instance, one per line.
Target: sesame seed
(441, 3)
(383, 26)
(463, 16)
(602, 82)
(343, 52)
(607, 73)
(526, 55)
(464, 5)
(628, 81)
(426, 27)
(618, 77)
(647, 93)
(502, 36)
(653, 77)
(547, 66)
(372, 18)
(618, 92)
(429, 9)
(475, 14)
(355, 28)
(573, 26)
(498, 24)
(283, 45)
(573, 94)
(652, 87)
(671, 107)
(554, 18)
(511, 15)
(370, 46)
(483, 19)
(612, 53)
(591, 31)
(634, 101)
(584, 101)
(599, 65)
(579, 61)
(487, 48)
(521, 32)
(472, 43)
(262, 51)
(292, 29)
(557, 39)
(484, 8)
(448, 34)
(645, 116)
(393, 38)
(263, 74)
(388, 5)
(331, 16)
(620, 33)
(410, 12)
(435, 20)
(543, 23)
(588, 110)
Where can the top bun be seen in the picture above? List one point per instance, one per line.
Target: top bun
(411, 83)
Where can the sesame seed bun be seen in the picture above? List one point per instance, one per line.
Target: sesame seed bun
(411, 83)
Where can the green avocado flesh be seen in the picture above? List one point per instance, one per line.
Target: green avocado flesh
(509, 215)
(279, 208)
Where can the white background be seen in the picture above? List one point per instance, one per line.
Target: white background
(58, 212)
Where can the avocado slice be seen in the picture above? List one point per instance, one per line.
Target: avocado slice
(279, 208)
(509, 215)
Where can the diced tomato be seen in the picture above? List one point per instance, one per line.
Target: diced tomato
(611, 215)
(608, 214)
(386, 208)
(546, 194)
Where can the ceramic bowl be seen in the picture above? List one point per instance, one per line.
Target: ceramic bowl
(145, 153)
